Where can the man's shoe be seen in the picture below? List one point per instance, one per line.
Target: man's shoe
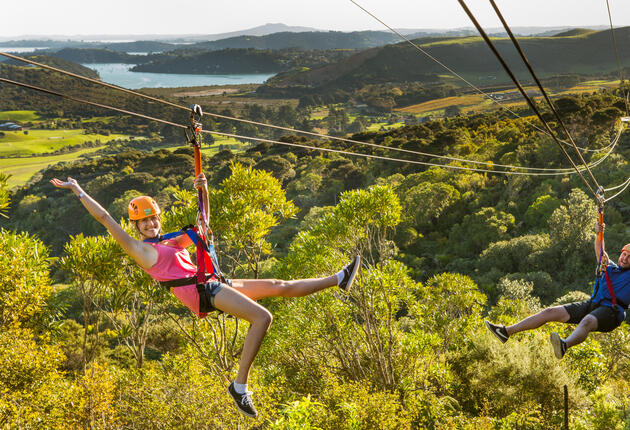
(559, 345)
(243, 401)
(349, 273)
(499, 331)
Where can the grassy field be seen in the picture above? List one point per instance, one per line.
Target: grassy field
(16, 143)
(377, 126)
(479, 103)
(220, 142)
(19, 116)
(23, 169)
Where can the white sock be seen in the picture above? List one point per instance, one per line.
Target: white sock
(340, 276)
(240, 388)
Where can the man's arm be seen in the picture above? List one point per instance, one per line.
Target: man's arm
(599, 243)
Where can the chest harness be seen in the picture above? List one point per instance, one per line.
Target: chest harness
(604, 268)
(201, 234)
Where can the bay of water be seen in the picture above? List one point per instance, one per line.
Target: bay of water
(19, 49)
(119, 74)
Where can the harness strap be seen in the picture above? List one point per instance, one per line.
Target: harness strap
(183, 281)
(611, 290)
(204, 258)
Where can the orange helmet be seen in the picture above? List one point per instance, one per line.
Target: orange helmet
(143, 207)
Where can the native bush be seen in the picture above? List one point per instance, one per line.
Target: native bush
(243, 211)
(362, 223)
(24, 279)
(484, 226)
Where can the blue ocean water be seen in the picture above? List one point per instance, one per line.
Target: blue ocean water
(119, 74)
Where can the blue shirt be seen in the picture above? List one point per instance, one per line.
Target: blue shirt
(620, 279)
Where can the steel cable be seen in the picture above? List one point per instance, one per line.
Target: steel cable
(612, 35)
(257, 139)
(479, 90)
(522, 90)
(542, 89)
(424, 154)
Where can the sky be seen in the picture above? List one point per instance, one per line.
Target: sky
(116, 17)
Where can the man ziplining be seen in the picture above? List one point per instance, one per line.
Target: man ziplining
(603, 312)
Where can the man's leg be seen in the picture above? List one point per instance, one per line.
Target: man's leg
(556, 313)
(587, 325)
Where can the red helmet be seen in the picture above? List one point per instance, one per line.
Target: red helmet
(143, 207)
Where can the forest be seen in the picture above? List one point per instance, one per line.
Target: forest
(90, 341)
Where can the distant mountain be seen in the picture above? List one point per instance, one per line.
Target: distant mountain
(261, 30)
(306, 40)
(31, 40)
(586, 53)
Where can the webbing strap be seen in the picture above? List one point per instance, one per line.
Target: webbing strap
(204, 254)
(611, 290)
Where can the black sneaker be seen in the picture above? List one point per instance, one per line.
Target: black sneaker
(349, 273)
(243, 401)
(499, 331)
(559, 345)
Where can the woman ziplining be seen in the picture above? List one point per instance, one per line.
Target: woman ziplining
(169, 260)
(201, 287)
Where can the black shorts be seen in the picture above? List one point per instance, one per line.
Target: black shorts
(607, 317)
(207, 292)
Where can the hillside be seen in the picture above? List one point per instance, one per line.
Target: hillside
(236, 61)
(586, 53)
(60, 63)
(90, 341)
(97, 55)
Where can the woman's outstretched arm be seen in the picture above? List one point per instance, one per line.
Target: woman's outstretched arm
(143, 254)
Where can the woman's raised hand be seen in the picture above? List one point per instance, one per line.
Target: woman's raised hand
(201, 181)
(69, 184)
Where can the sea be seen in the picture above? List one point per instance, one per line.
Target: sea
(120, 74)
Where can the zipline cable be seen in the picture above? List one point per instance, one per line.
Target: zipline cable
(625, 186)
(462, 78)
(540, 86)
(257, 139)
(612, 35)
(617, 186)
(374, 145)
(522, 90)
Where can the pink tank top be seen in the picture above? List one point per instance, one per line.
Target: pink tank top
(174, 263)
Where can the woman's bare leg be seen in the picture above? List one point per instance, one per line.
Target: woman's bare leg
(239, 305)
(257, 289)
(556, 313)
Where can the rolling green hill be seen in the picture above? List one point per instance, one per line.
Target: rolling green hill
(54, 62)
(231, 60)
(97, 55)
(582, 53)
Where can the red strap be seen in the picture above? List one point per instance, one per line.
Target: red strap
(611, 290)
(201, 264)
